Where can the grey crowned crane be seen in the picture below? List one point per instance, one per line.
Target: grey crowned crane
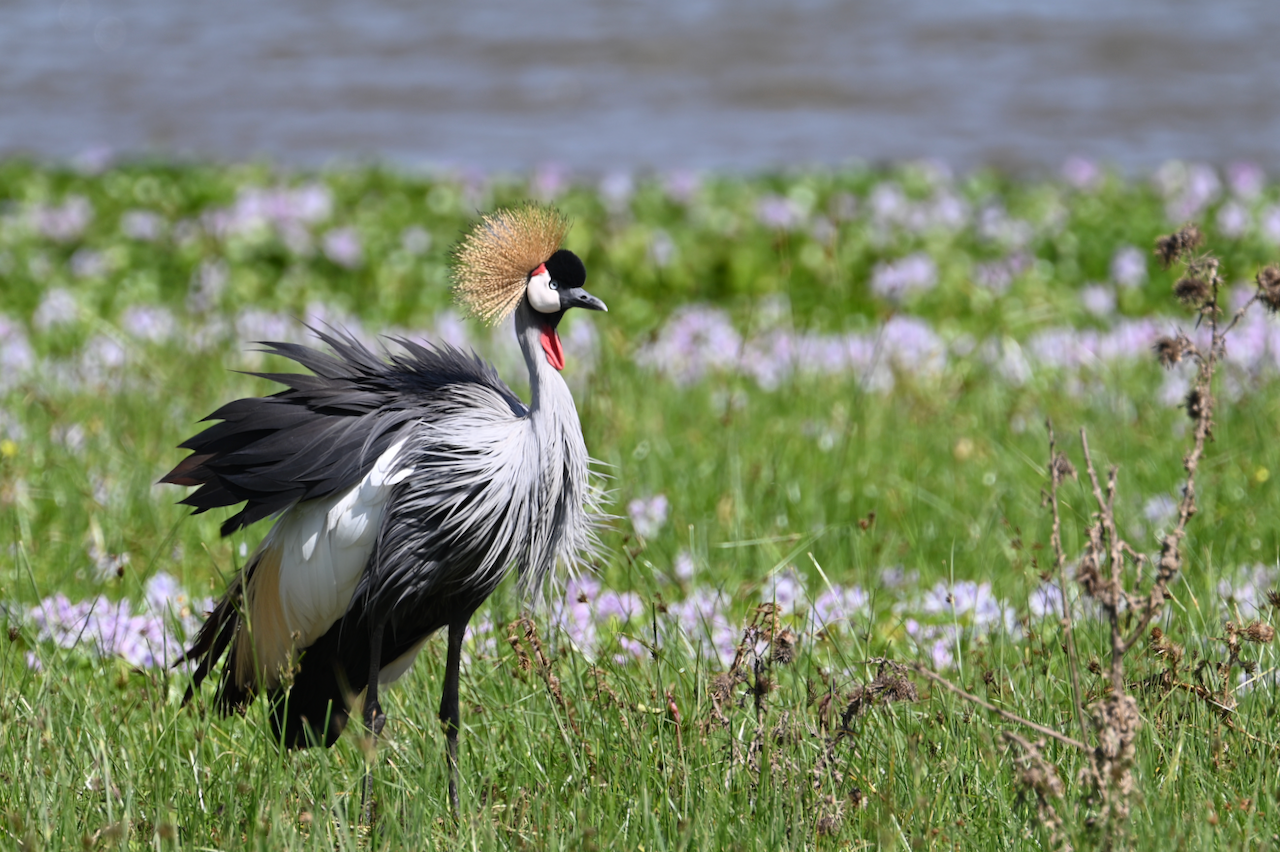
(404, 490)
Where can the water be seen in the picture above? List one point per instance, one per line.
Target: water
(603, 85)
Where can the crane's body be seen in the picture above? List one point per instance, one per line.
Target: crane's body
(406, 490)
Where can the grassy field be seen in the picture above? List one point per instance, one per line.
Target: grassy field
(820, 399)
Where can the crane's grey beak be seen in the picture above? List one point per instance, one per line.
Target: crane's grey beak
(576, 297)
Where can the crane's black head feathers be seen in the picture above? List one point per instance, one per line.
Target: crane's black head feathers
(566, 269)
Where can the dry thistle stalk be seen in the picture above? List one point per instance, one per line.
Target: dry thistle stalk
(1164, 648)
(1269, 288)
(1116, 576)
(1040, 777)
(890, 685)
(523, 633)
(1172, 247)
(1192, 291)
(1109, 771)
(1169, 351)
(1258, 632)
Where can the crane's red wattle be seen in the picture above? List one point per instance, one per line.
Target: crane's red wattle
(551, 346)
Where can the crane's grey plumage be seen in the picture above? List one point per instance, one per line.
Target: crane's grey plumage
(406, 487)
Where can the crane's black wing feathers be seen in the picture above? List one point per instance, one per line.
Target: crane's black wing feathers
(324, 432)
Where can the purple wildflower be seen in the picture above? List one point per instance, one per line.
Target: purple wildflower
(309, 203)
(616, 189)
(164, 595)
(898, 577)
(997, 276)
(450, 328)
(648, 516)
(66, 222)
(971, 603)
(633, 649)
(58, 307)
(895, 280)
(779, 213)
(95, 159)
(1188, 189)
(700, 618)
(888, 204)
(1045, 601)
(1129, 266)
(1233, 219)
(938, 640)
(106, 629)
(17, 358)
(481, 642)
(106, 566)
(769, 358)
(1081, 173)
(415, 240)
(574, 617)
(839, 605)
(254, 324)
(1246, 180)
(784, 589)
(88, 263)
(1246, 589)
(152, 323)
(622, 606)
(695, 340)
(142, 225)
(822, 231)
(549, 180)
(1271, 224)
(681, 185)
(1160, 510)
(912, 346)
(996, 225)
(207, 284)
(662, 249)
(946, 211)
(342, 246)
(1099, 300)
(288, 211)
(102, 357)
(11, 429)
(1008, 359)
(684, 566)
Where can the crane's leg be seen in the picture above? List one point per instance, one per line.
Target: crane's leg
(449, 706)
(374, 718)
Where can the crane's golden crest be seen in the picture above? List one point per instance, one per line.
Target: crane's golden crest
(493, 262)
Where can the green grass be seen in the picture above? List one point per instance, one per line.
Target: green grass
(94, 752)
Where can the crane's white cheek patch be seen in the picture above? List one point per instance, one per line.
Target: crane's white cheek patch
(541, 296)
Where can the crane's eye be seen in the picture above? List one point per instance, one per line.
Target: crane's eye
(553, 284)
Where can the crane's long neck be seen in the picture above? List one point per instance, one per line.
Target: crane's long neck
(550, 399)
(563, 507)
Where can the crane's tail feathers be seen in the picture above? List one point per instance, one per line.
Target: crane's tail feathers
(218, 632)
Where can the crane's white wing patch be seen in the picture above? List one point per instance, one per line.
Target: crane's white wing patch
(310, 563)
(395, 669)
